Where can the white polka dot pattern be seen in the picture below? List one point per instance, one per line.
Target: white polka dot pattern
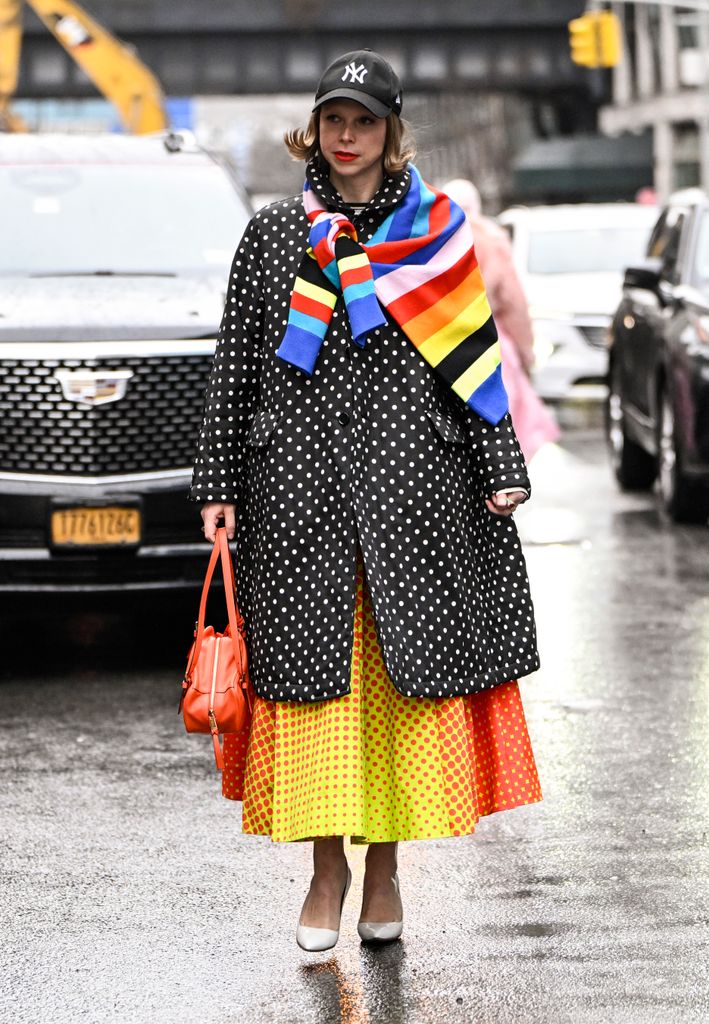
(373, 447)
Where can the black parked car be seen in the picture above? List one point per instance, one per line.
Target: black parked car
(658, 385)
(114, 262)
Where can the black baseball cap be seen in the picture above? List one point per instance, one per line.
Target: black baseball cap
(364, 76)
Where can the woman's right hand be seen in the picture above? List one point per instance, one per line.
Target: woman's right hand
(211, 513)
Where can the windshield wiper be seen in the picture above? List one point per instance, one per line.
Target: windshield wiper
(104, 273)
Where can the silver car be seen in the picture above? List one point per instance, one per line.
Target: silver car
(571, 259)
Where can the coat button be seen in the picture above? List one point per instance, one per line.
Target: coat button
(343, 419)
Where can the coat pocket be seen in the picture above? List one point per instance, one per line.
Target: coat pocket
(448, 427)
(262, 427)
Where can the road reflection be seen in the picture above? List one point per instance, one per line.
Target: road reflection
(371, 994)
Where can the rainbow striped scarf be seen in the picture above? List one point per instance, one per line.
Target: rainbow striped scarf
(420, 266)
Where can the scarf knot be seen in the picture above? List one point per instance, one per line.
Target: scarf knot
(334, 252)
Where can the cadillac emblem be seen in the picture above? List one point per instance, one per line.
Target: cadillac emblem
(89, 387)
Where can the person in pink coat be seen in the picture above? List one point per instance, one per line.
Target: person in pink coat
(532, 421)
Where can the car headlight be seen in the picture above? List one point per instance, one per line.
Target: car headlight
(550, 334)
(544, 349)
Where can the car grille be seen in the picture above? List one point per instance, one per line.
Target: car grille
(154, 427)
(595, 334)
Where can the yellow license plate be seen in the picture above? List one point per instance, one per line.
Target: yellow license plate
(95, 526)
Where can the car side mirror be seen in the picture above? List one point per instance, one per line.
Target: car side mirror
(646, 276)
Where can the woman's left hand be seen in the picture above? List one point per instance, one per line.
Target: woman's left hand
(505, 503)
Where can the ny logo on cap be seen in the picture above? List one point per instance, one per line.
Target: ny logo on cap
(353, 73)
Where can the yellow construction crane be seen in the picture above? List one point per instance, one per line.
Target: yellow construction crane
(10, 44)
(111, 65)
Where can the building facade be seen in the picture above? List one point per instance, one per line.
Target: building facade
(662, 84)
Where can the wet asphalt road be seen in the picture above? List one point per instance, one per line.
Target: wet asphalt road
(129, 894)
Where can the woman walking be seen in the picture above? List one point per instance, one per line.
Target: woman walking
(356, 445)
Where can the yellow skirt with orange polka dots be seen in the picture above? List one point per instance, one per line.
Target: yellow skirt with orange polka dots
(377, 766)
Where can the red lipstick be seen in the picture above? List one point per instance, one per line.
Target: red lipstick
(345, 157)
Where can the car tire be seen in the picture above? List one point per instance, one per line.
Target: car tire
(634, 468)
(684, 500)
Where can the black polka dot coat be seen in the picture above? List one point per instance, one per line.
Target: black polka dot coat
(372, 451)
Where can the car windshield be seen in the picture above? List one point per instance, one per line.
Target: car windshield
(118, 219)
(700, 268)
(586, 250)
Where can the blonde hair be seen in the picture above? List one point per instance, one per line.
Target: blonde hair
(399, 146)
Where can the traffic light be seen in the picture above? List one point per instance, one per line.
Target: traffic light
(583, 42)
(595, 39)
(609, 36)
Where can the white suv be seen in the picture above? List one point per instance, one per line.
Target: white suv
(571, 259)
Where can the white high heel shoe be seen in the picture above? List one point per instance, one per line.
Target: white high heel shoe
(315, 940)
(385, 931)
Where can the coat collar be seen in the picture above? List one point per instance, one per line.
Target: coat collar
(391, 191)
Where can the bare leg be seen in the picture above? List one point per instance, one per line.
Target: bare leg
(380, 900)
(322, 904)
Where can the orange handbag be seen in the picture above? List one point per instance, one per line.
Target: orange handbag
(216, 691)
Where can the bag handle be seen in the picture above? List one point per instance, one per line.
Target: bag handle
(221, 551)
(236, 622)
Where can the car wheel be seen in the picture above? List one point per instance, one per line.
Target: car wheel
(634, 468)
(684, 499)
